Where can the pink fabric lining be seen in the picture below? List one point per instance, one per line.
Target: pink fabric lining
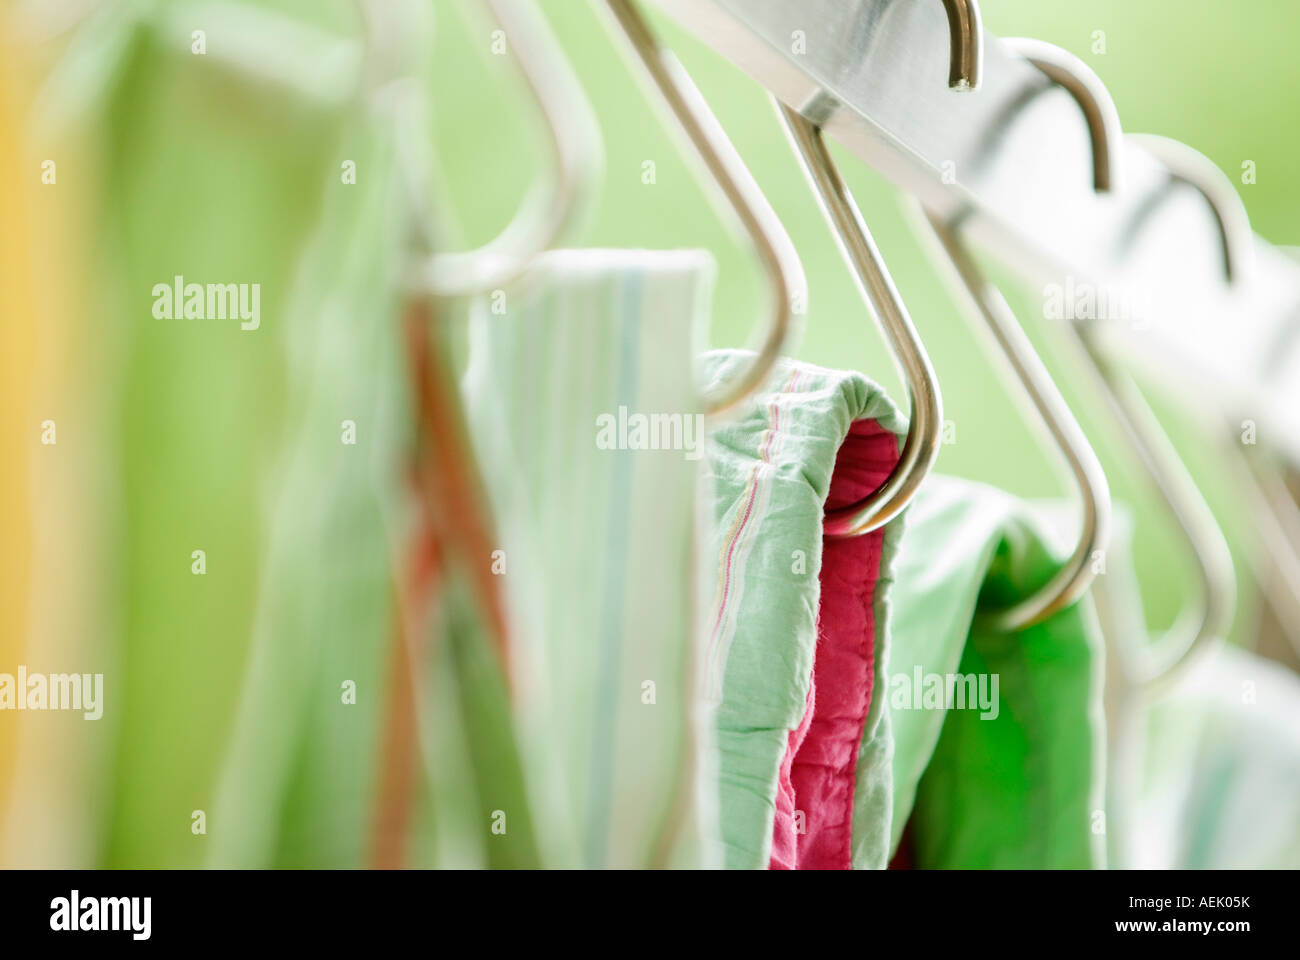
(816, 781)
(785, 831)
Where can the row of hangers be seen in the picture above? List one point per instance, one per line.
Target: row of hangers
(542, 221)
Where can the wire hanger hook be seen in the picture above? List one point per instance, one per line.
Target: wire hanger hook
(1189, 168)
(925, 426)
(775, 250)
(1194, 631)
(1261, 483)
(550, 209)
(1066, 70)
(966, 62)
(1076, 575)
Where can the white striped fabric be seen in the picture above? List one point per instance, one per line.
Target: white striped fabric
(583, 407)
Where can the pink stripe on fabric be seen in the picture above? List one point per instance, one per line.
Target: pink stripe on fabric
(785, 830)
(764, 458)
(819, 768)
(731, 548)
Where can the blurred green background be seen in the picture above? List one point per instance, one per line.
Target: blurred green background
(217, 179)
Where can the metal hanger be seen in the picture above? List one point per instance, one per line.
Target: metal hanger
(1195, 630)
(1189, 168)
(1066, 70)
(875, 284)
(777, 253)
(1261, 483)
(1078, 572)
(966, 63)
(925, 421)
(550, 208)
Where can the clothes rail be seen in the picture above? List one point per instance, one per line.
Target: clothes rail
(1011, 160)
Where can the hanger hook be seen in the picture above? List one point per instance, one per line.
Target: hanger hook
(1153, 669)
(725, 167)
(966, 61)
(574, 140)
(1189, 168)
(874, 282)
(1186, 166)
(1078, 572)
(1078, 79)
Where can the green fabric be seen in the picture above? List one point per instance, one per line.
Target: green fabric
(1019, 789)
(771, 470)
(596, 517)
(473, 810)
(476, 806)
(190, 410)
(297, 786)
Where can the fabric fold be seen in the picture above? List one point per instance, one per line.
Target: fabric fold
(796, 641)
(998, 737)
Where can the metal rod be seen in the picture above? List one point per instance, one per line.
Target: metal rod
(551, 207)
(1068, 71)
(1195, 631)
(1078, 572)
(773, 245)
(966, 59)
(925, 426)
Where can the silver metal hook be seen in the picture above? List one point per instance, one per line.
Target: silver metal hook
(966, 61)
(1189, 168)
(550, 209)
(1076, 77)
(1261, 483)
(1193, 633)
(1078, 572)
(725, 167)
(1153, 668)
(874, 282)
